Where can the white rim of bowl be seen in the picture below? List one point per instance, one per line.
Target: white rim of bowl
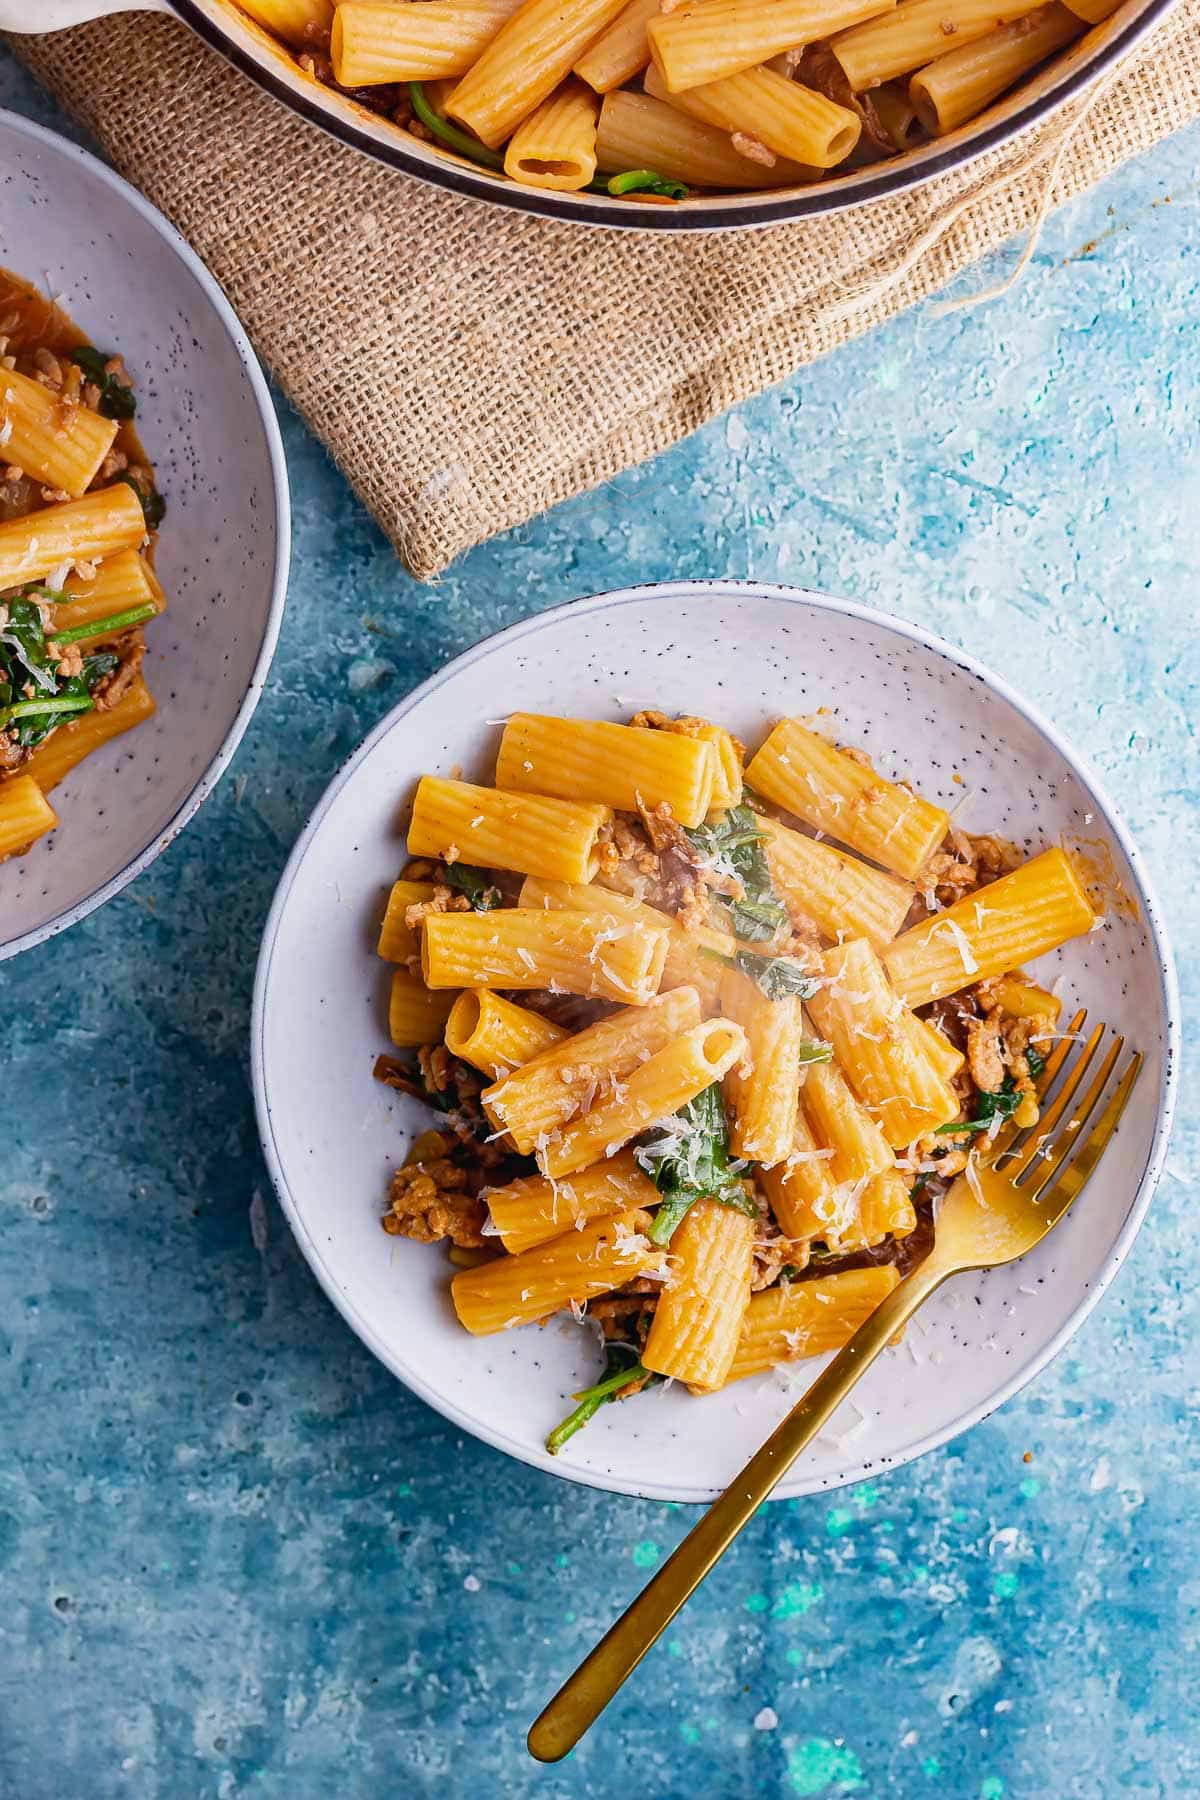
(206, 782)
(793, 1486)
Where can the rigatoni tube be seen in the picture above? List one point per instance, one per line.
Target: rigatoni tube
(416, 40)
(789, 119)
(555, 147)
(577, 1266)
(841, 895)
(398, 940)
(835, 794)
(763, 1089)
(524, 63)
(621, 51)
(886, 1063)
(807, 1318)
(841, 1123)
(56, 440)
(620, 766)
(488, 827)
(297, 22)
(495, 1034)
(915, 34)
(415, 1015)
(539, 1098)
(647, 1096)
(693, 957)
(698, 1319)
(802, 1188)
(639, 132)
(120, 583)
(25, 814)
(55, 758)
(73, 531)
(521, 948)
(997, 928)
(533, 1209)
(953, 89)
(713, 38)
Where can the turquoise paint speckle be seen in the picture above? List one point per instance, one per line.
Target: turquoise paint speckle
(690, 1734)
(756, 1603)
(838, 1521)
(1030, 1488)
(645, 1554)
(1005, 1584)
(821, 1767)
(866, 1495)
(991, 1788)
(798, 1598)
(258, 1607)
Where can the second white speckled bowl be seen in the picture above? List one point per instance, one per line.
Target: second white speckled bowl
(127, 278)
(743, 654)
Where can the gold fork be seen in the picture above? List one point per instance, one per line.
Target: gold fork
(1006, 1206)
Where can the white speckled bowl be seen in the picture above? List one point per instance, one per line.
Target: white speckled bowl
(205, 417)
(331, 1134)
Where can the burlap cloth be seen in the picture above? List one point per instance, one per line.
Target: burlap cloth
(468, 366)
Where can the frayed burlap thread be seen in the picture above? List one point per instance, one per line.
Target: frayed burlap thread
(468, 366)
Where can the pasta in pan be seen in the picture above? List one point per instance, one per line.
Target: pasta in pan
(78, 518)
(705, 1092)
(656, 98)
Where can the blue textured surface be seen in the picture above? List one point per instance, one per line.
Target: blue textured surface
(237, 1558)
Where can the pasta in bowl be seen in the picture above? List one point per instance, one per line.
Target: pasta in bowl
(794, 1046)
(700, 1064)
(655, 102)
(132, 656)
(79, 515)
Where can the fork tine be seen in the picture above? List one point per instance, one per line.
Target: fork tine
(1054, 1154)
(1061, 1051)
(1045, 1125)
(1075, 1177)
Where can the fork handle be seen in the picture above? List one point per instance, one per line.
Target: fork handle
(585, 1694)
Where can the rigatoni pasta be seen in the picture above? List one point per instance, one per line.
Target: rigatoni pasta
(555, 147)
(762, 107)
(621, 766)
(915, 33)
(952, 89)
(698, 1319)
(497, 82)
(533, 835)
(52, 438)
(411, 40)
(807, 1318)
(621, 51)
(525, 62)
(492, 1034)
(887, 1065)
(78, 515)
(839, 796)
(683, 1089)
(536, 1101)
(636, 130)
(1034, 909)
(533, 1208)
(25, 814)
(523, 948)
